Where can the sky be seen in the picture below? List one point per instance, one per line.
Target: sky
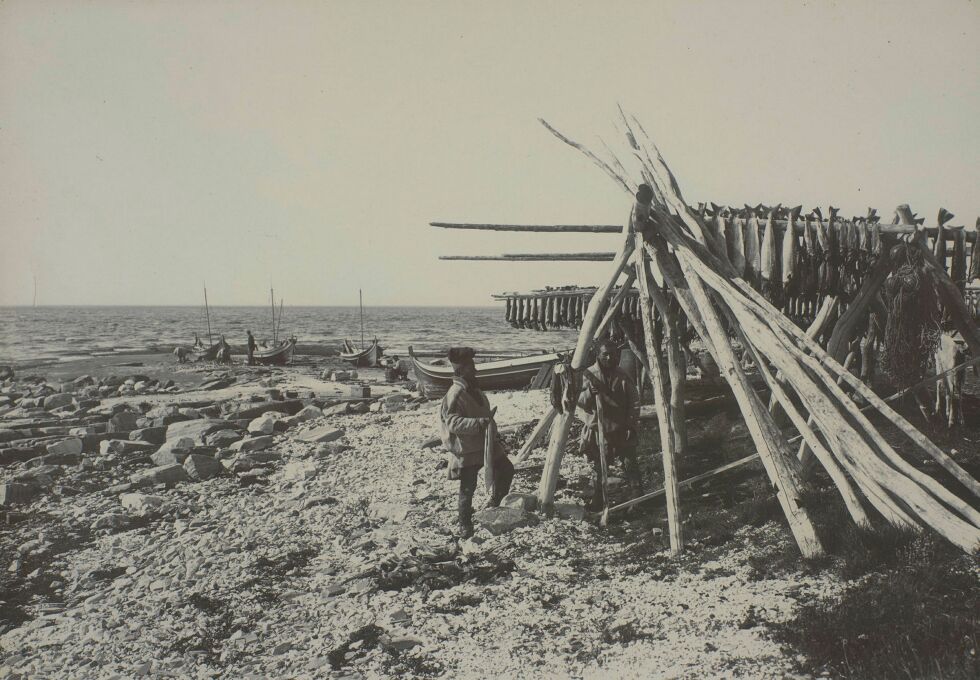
(148, 148)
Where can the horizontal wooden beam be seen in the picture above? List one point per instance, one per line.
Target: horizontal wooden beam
(898, 229)
(542, 228)
(538, 257)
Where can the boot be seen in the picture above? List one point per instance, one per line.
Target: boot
(465, 529)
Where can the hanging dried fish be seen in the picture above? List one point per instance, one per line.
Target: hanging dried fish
(791, 275)
(769, 272)
(939, 247)
(735, 241)
(809, 263)
(832, 282)
(957, 265)
(753, 264)
(974, 272)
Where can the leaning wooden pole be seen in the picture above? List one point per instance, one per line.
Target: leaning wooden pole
(562, 426)
(661, 405)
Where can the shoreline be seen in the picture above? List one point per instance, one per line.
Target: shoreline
(339, 560)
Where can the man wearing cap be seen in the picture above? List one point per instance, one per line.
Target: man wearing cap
(464, 417)
(605, 380)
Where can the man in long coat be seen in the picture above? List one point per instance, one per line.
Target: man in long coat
(464, 417)
(605, 380)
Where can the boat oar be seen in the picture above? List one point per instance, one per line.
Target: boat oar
(489, 441)
(603, 461)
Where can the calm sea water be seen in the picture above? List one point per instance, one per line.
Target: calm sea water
(59, 333)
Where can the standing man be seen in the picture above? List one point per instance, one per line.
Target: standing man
(605, 380)
(464, 417)
(251, 348)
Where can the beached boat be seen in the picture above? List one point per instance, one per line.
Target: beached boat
(362, 358)
(279, 355)
(505, 374)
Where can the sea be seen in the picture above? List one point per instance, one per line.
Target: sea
(45, 334)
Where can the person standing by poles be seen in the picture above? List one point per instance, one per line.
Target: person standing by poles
(251, 348)
(620, 414)
(465, 417)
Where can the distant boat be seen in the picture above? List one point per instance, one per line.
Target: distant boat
(279, 355)
(362, 358)
(506, 374)
(199, 352)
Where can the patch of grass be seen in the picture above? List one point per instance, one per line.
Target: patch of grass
(915, 621)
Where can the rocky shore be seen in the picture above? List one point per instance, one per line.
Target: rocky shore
(255, 523)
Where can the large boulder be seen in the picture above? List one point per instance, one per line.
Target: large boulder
(201, 467)
(264, 424)
(197, 429)
(521, 501)
(154, 435)
(58, 400)
(124, 446)
(141, 503)
(319, 435)
(501, 520)
(124, 421)
(164, 474)
(223, 438)
(253, 443)
(72, 446)
(13, 493)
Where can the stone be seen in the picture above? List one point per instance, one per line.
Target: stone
(308, 413)
(218, 384)
(124, 446)
(401, 643)
(360, 407)
(201, 468)
(71, 446)
(253, 443)
(264, 424)
(154, 435)
(501, 520)
(58, 400)
(163, 474)
(395, 512)
(82, 431)
(223, 438)
(173, 451)
(572, 511)
(341, 409)
(522, 501)
(330, 449)
(124, 421)
(393, 406)
(197, 429)
(189, 413)
(12, 493)
(320, 435)
(299, 470)
(141, 503)
(54, 459)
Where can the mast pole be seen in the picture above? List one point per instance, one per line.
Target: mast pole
(272, 296)
(279, 322)
(207, 313)
(360, 296)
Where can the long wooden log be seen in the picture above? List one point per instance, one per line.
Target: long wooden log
(560, 430)
(969, 236)
(779, 462)
(537, 228)
(536, 257)
(539, 431)
(655, 371)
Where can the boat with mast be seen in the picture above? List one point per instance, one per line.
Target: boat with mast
(281, 353)
(362, 357)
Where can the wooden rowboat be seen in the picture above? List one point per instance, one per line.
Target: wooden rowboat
(508, 374)
(275, 356)
(362, 358)
(199, 352)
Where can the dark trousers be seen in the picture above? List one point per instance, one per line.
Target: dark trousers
(633, 473)
(503, 474)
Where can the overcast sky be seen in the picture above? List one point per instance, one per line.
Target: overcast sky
(147, 147)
